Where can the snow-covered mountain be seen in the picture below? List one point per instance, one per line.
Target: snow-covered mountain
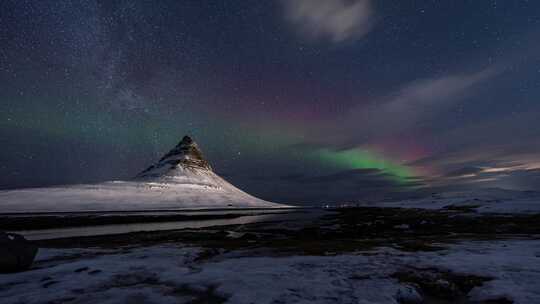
(182, 179)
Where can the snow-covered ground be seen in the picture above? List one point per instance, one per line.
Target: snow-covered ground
(127, 196)
(172, 274)
(481, 201)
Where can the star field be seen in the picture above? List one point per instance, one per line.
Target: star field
(294, 101)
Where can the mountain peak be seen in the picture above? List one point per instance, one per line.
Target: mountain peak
(186, 141)
(186, 154)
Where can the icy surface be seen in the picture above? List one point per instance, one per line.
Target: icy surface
(172, 274)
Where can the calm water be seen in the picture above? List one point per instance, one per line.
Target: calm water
(281, 215)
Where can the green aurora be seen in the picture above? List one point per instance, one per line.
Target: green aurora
(361, 159)
(162, 129)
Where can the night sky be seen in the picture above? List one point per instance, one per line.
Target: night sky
(294, 101)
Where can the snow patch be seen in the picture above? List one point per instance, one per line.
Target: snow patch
(170, 273)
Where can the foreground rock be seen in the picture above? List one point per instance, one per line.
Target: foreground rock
(16, 253)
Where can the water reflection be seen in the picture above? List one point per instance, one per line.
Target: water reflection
(283, 215)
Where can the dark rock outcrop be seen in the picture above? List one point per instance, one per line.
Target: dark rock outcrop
(16, 253)
(186, 154)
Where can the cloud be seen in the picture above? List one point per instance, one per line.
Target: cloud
(502, 143)
(333, 20)
(518, 177)
(414, 102)
(486, 164)
(463, 172)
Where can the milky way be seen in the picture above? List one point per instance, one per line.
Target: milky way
(304, 101)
